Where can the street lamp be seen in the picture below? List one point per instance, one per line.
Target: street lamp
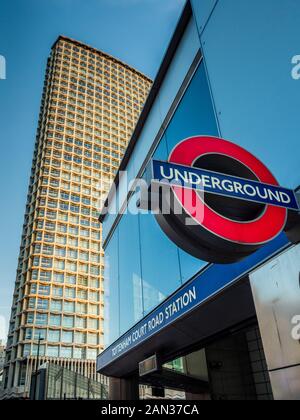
(37, 365)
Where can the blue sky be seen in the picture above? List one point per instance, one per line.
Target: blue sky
(135, 31)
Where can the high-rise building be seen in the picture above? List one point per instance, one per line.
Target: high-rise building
(90, 105)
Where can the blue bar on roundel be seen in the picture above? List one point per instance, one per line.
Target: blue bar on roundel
(224, 185)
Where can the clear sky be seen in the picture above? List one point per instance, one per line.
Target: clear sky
(135, 31)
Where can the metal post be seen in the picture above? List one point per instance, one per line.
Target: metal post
(37, 366)
(75, 386)
(88, 388)
(62, 383)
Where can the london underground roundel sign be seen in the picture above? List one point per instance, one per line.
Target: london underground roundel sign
(230, 203)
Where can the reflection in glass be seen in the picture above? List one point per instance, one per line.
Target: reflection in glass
(111, 296)
(160, 264)
(131, 303)
(195, 114)
(143, 267)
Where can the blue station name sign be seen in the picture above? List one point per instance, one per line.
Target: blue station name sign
(224, 185)
(206, 284)
(181, 303)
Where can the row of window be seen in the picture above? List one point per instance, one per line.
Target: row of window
(75, 220)
(65, 84)
(110, 158)
(96, 134)
(64, 69)
(71, 229)
(80, 175)
(57, 320)
(60, 351)
(54, 215)
(98, 162)
(76, 188)
(106, 93)
(83, 81)
(94, 114)
(108, 139)
(44, 262)
(73, 105)
(97, 168)
(75, 54)
(81, 120)
(103, 152)
(114, 93)
(65, 196)
(53, 202)
(67, 292)
(64, 252)
(71, 279)
(77, 83)
(80, 76)
(79, 147)
(108, 67)
(65, 206)
(72, 241)
(64, 306)
(63, 336)
(109, 88)
(110, 105)
(71, 169)
(81, 93)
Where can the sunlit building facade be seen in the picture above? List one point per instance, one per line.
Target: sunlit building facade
(90, 106)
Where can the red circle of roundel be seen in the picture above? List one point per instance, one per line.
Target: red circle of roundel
(255, 232)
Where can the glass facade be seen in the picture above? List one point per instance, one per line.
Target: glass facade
(232, 368)
(57, 383)
(146, 270)
(242, 90)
